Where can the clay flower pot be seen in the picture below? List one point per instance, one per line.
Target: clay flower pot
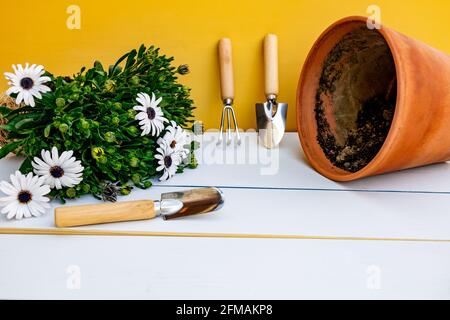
(349, 65)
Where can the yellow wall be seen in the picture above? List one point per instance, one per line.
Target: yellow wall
(35, 31)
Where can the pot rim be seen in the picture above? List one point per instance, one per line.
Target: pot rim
(374, 166)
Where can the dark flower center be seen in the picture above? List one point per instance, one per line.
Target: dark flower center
(151, 113)
(56, 172)
(110, 191)
(173, 144)
(27, 83)
(24, 196)
(168, 161)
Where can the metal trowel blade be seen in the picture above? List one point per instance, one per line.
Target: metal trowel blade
(271, 123)
(194, 201)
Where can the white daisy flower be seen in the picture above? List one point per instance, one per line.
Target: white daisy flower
(168, 161)
(150, 116)
(27, 82)
(25, 196)
(177, 139)
(58, 171)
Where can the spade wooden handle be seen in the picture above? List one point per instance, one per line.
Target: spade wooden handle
(271, 64)
(226, 69)
(72, 216)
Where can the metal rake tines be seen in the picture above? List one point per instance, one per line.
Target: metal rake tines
(229, 114)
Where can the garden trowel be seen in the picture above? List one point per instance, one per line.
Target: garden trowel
(271, 115)
(172, 205)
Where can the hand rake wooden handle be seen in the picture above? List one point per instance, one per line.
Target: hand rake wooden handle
(72, 216)
(226, 69)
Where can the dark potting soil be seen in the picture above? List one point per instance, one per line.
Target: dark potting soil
(364, 142)
(373, 120)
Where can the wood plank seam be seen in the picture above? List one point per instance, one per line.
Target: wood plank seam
(93, 232)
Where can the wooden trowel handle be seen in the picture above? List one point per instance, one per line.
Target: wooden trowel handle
(271, 64)
(226, 69)
(72, 216)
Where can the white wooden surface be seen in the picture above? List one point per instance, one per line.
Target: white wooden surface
(46, 267)
(291, 200)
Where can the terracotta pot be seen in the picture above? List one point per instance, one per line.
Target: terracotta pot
(420, 127)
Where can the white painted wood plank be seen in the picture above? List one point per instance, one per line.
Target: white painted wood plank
(282, 212)
(250, 165)
(39, 267)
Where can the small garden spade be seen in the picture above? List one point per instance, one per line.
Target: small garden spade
(271, 115)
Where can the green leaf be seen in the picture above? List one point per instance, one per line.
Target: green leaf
(19, 117)
(7, 127)
(23, 123)
(59, 82)
(18, 110)
(101, 74)
(141, 51)
(4, 111)
(130, 59)
(26, 131)
(113, 69)
(26, 166)
(47, 130)
(90, 74)
(97, 86)
(98, 66)
(10, 147)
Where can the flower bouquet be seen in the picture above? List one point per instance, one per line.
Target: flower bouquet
(100, 132)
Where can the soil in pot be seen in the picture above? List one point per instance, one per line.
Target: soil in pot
(355, 99)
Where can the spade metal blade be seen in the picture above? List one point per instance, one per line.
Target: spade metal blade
(195, 201)
(271, 122)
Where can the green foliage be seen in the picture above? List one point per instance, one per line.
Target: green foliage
(92, 114)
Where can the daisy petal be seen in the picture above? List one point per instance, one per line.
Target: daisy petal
(19, 97)
(7, 188)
